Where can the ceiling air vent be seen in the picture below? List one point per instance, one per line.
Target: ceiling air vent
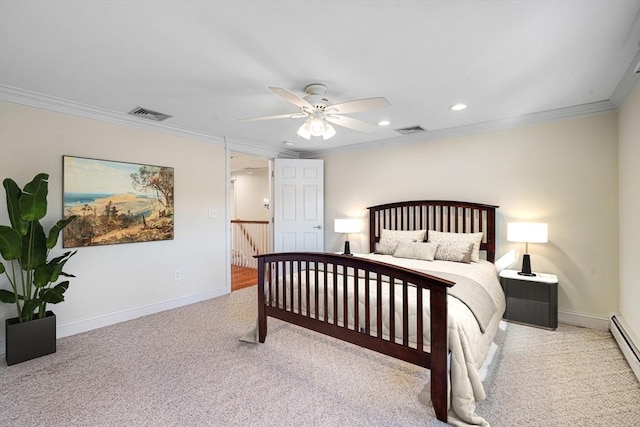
(148, 114)
(409, 130)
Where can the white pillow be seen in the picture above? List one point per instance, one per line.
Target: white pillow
(389, 239)
(475, 238)
(417, 235)
(454, 251)
(416, 250)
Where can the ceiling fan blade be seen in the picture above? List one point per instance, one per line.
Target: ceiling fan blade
(355, 106)
(279, 116)
(292, 98)
(351, 123)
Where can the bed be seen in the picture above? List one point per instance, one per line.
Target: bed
(427, 293)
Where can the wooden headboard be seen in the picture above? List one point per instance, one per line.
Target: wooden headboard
(439, 215)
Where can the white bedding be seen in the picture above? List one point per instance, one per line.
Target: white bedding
(467, 343)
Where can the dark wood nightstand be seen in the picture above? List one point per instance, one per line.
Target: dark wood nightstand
(531, 299)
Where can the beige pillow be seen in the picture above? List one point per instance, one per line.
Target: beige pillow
(475, 238)
(389, 239)
(416, 250)
(387, 246)
(454, 251)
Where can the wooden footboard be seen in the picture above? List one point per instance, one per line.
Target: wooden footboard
(323, 292)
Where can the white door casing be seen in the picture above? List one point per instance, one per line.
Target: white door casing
(298, 205)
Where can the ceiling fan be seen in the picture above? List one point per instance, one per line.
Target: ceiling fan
(319, 113)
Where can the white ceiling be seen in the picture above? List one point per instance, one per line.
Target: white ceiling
(210, 63)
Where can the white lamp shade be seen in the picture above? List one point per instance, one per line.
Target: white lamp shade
(348, 225)
(528, 232)
(329, 131)
(304, 130)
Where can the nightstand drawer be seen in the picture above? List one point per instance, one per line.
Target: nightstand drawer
(526, 290)
(532, 312)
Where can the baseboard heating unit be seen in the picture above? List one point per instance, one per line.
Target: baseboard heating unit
(626, 344)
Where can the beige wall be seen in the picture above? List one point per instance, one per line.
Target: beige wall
(563, 173)
(629, 188)
(122, 281)
(249, 194)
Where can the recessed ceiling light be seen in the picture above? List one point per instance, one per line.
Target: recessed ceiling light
(384, 123)
(458, 107)
(287, 143)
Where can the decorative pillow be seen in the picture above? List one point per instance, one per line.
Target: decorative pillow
(389, 239)
(475, 238)
(417, 235)
(454, 251)
(416, 250)
(388, 246)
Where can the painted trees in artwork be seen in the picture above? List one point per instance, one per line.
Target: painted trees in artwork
(157, 179)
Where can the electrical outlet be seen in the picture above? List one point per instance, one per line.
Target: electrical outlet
(213, 213)
(177, 275)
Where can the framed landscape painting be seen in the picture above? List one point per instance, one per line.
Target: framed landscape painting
(116, 202)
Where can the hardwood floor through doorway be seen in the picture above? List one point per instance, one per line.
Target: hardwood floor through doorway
(243, 277)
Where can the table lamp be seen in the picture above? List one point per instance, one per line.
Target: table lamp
(346, 226)
(527, 232)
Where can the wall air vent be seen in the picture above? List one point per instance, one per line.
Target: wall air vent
(148, 114)
(410, 130)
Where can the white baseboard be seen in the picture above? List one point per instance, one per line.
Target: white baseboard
(85, 325)
(629, 348)
(584, 320)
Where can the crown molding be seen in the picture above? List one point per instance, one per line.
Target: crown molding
(628, 82)
(20, 96)
(32, 99)
(477, 128)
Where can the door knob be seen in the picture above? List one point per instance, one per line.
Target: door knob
(319, 227)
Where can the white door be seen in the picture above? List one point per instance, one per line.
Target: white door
(298, 205)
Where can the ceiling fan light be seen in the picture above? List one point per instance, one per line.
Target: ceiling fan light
(304, 130)
(317, 126)
(329, 131)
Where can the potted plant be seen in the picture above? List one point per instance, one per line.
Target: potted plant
(32, 277)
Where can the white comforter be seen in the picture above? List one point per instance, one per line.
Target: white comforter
(467, 343)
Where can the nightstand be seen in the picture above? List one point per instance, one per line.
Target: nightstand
(531, 299)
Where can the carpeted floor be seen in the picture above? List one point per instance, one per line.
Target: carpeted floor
(186, 367)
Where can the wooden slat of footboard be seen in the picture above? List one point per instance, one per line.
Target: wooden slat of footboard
(405, 313)
(439, 345)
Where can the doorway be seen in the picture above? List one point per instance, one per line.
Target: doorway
(250, 210)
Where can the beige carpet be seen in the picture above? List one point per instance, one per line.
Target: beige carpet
(186, 367)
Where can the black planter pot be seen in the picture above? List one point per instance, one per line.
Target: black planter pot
(28, 340)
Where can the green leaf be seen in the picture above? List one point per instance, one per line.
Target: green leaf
(29, 307)
(52, 295)
(10, 243)
(42, 276)
(34, 249)
(13, 207)
(57, 264)
(6, 296)
(56, 229)
(2, 269)
(33, 202)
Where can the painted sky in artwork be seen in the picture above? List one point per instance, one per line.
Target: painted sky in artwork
(98, 176)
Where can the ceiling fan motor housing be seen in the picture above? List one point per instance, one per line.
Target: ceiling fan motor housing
(316, 95)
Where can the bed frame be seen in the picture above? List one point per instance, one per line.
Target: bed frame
(281, 296)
